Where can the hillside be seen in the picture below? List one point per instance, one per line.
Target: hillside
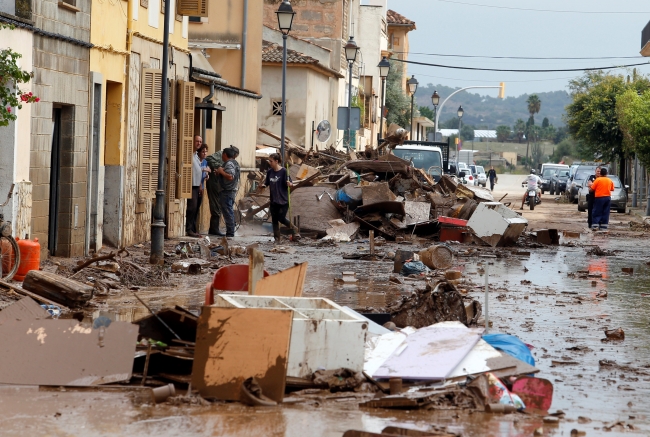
(490, 112)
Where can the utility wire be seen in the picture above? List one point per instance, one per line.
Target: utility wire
(545, 10)
(498, 81)
(520, 71)
(518, 57)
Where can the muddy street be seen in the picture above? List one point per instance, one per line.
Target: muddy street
(558, 299)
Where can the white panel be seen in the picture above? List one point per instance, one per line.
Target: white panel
(172, 17)
(135, 9)
(154, 13)
(185, 26)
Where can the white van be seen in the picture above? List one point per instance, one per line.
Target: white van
(428, 158)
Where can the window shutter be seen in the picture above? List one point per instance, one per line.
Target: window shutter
(171, 169)
(150, 131)
(185, 138)
(194, 8)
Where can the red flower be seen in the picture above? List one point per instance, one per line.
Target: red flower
(37, 99)
(8, 108)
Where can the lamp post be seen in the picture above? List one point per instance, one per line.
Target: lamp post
(460, 125)
(351, 49)
(413, 87)
(285, 15)
(158, 225)
(384, 69)
(435, 99)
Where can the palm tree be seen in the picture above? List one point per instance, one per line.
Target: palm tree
(520, 129)
(534, 105)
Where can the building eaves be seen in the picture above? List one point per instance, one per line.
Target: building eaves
(25, 24)
(395, 19)
(272, 54)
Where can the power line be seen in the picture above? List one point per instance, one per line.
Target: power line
(497, 81)
(519, 57)
(520, 71)
(545, 10)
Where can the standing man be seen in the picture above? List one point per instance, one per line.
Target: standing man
(590, 197)
(492, 175)
(279, 182)
(192, 204)
(602, 188)
(214, 191)
(229, 175)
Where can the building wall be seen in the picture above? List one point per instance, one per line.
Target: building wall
(398, 43)
(15, 141)
(225, 25)
(60, 80)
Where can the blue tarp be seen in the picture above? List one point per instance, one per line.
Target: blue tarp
(510, 345)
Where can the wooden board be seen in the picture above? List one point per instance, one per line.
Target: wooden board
(65, 352)
(255, 268)
(287, 283)
(24, 309)
(234, 344)
(58, 288)
(377, 192)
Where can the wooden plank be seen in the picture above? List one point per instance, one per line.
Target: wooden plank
(234, 344)
(287, 283)
(377, 192)
(36, 297)
(255, 268)
(57, 288)
(66, 352)
(24, 309)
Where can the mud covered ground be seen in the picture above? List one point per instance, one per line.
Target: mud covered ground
(544, 298)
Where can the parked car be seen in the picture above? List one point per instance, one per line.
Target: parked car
(480, 177)
(547, 171)
(619, 196)
(574, 185)
(558, 182)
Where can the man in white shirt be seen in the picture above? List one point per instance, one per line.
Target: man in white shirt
(532, 182)
(193, 203)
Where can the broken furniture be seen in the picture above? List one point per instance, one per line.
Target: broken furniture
(323, 335)
(61, 290)
(496, 224)
(228, 278)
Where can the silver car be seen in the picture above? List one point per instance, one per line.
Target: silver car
(480, 178)
(619, 196)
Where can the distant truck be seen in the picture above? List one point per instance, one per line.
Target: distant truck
(466, 156)
(430, 156)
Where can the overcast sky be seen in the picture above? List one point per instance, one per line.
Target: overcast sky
(460, 27)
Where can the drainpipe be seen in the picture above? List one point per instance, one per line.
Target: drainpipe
(244, 38)
(129, 24)
(205, 111)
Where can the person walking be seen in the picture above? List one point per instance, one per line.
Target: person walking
(229, 175)
(214, 190)
(279, 182)
(492, 175)
(602, 188)
(590, 197)
(193, 202)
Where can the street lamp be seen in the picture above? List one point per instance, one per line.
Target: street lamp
(413, 87)
(384, 69)
(351, 49)
(435, 99)
(285, 15)
(460, 113)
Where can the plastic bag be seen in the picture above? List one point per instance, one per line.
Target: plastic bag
(510, 345)
(414, 268)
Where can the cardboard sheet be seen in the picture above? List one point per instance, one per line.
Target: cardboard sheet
(233, 344)
(287, 283)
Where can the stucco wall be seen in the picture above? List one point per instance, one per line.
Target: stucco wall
(15, 139)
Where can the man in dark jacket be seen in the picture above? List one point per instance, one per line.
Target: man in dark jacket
(214, 189)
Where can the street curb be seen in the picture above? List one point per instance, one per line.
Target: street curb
(639, 213)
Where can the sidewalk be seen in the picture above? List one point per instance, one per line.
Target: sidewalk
(639, 213)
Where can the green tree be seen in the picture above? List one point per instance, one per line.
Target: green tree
(633, 113)
(427, 112)
(11, 97)
(398, 103)
(561, 133)
(520, 129)
(503, 133)
(536, 155)
(592, 118)
(467, 132)
(563, 150)
(534, 105)
(545, 122)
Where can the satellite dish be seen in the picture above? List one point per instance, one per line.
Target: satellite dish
(324, 131)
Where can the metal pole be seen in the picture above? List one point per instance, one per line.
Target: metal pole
(158, 226)
(350, 106)
(487, 300)
(381, 116)
(284, 91)
(435, 126)
(635, 183)
(412, 97)
(459, 145)
(647, 210)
